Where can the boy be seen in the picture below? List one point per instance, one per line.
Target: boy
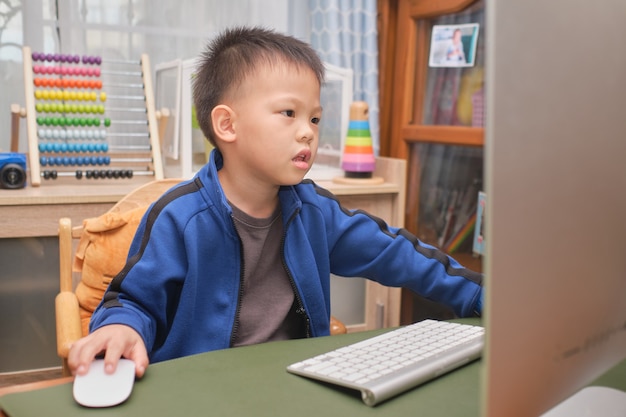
(242, 253)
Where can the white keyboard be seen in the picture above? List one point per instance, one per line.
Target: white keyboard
(386, 365)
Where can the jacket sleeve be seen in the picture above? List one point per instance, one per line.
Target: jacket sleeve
(142, 295)
(363, 245)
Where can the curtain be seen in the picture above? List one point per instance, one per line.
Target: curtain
(344, 32)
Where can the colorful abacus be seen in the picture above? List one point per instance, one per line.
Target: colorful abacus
(90, 118)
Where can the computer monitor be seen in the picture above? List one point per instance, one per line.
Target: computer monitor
(555, 176)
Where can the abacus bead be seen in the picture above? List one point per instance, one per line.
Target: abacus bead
(80, 161)
(107, 160)
(53, 174)
(98, 60)
(40, 121)
(103, 96)
(79, 174)
(99, 160)
(43, 161)
(107, 122)
(39, 107)
(72, 160)
(42, 147)
(96, 72)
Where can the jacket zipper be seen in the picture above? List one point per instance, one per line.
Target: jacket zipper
(235, 328)
(300, 305)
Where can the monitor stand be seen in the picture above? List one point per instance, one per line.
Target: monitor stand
(591, 402)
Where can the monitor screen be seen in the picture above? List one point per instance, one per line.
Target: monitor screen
(555, 176)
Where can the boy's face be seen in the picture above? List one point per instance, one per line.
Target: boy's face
(277, 111)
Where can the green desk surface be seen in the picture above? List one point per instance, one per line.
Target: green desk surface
(252, 381)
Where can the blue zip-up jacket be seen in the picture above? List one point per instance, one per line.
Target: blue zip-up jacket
(180, 287)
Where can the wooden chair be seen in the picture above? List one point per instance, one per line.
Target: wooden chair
(100, 253)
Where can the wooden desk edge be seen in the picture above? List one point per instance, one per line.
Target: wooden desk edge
(33, 386)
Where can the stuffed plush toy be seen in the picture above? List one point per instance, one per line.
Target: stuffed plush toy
(101, 254)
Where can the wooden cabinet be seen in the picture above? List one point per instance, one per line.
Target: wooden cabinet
(434, 119)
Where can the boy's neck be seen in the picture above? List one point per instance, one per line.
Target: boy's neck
(247, 196)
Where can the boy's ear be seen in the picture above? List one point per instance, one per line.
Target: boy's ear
(222, 117)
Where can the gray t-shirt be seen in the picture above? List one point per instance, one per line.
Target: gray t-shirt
(267, 310)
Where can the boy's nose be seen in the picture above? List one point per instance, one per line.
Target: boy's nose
(306, 135)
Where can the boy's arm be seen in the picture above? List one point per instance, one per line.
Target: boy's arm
(365, 246)
(150, 280)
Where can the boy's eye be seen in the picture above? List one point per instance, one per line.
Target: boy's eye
(288, 113)
(315, 120)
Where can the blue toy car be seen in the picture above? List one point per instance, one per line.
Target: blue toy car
(12, 170)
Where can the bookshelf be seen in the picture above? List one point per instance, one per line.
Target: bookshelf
(435, 121)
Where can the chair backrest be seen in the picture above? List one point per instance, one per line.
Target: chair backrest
(100, 254)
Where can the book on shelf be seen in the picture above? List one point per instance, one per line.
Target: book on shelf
(478, 246)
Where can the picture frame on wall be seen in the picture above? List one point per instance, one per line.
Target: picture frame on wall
(453, 45)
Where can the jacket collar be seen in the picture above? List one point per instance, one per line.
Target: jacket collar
(288, 195)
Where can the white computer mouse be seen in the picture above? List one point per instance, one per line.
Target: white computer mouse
(98, 389)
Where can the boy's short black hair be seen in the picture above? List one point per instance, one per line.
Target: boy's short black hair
(233, 55)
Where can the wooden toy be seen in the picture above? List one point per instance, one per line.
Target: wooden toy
(89, 118)
(358, 161)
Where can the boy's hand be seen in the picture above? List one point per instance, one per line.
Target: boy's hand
(116, 341)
